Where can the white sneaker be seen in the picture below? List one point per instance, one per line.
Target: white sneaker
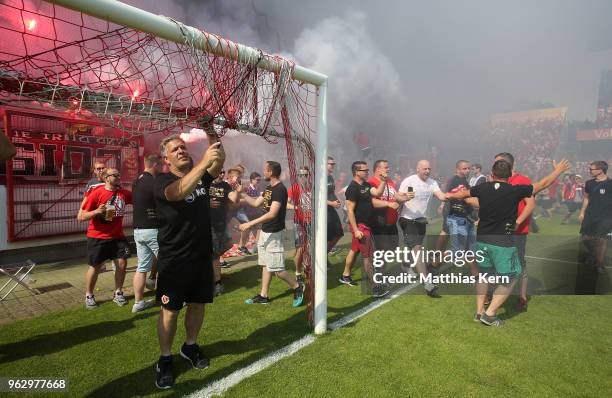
(143, 305)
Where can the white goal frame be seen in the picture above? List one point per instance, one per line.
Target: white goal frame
(163, 27)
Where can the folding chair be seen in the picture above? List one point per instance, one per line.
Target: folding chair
(17, 274)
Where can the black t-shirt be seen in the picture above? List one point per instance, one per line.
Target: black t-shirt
(219, 193)
(143, 196)
(277, 193)
(458, 207)
(360, 194)
(600, 198)
(93, 183)
(499, 210)
(331, 189)
(184, 236)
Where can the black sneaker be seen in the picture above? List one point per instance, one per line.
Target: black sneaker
(380, 291)
(491, 320)
(258, 299)
(244, 250)
(477, 317)
(193, 354)
(433, 293)
(224, 264)
(164, 373)
(347, 280)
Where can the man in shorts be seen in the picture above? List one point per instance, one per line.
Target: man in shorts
(361, 200)
(222, 197)
(596, 213)
(384, 226)
(185, 272)
(146, 223)
(104, 208)
(412, 216)
(270, 246)
(521, 231)
(498, 201)
(301, 194)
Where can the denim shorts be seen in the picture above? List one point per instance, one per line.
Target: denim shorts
(146, 248)
(462, 233)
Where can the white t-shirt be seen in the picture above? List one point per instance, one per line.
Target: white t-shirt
(423, 190)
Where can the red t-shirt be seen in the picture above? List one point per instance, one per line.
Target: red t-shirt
(302, 203)
(388, 195)
(519, 179)
(552, 190)
(98, 228)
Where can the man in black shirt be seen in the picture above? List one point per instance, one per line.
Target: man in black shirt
(334, 226)
(270, 246)
(498, 202)
(361, 199)
(185, 272)
(221, 195)
(596, 212)
(460, 226)
(145, 228)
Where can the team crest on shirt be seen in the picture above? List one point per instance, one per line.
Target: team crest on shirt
(602, 191)
(165, 299)
(199, 191)
(496, 186)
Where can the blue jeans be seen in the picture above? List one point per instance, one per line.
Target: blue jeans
(462, 233)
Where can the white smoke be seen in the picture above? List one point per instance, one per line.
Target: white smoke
(364, 93)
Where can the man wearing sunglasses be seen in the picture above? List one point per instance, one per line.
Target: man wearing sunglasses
(361, 200)
(596, 213)
(104, 208)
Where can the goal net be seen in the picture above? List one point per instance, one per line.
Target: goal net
(146, 74)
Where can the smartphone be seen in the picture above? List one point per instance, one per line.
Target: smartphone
(409, 189)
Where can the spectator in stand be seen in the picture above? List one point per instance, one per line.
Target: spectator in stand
(596, 213)
(146, 223)
(104, 208)
(300, 200)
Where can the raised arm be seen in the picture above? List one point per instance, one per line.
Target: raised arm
(547, 181)
(181, 188)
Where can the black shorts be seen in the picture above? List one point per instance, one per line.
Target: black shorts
(334, 226)
(572, 206)
(192, 283)
(100, 250)
(598, 227)
(385, 237)
(521, 246)
(414, 232)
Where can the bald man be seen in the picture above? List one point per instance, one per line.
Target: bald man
(412, 216)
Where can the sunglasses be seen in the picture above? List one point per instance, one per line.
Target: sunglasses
(114, 175)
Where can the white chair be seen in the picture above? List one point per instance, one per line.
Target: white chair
(17, 274)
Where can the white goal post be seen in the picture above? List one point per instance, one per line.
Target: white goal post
(166, 28)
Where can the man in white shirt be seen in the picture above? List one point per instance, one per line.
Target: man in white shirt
(412, 216)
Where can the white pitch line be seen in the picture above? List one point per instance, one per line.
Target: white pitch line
(553, 259)
(220, 386)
